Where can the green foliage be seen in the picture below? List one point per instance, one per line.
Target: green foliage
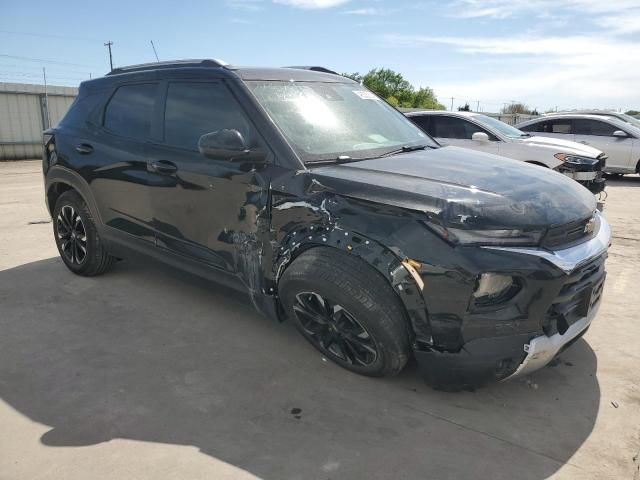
(517, 108)
(633, 113)
(465, 108)
(393, 87)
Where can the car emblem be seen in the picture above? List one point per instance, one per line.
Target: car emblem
(590, 226)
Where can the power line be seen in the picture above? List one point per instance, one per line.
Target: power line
(44, 60)
(49, 35)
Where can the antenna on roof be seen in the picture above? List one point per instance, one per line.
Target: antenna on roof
(154, 51)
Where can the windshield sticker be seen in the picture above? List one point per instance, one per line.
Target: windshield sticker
(365, 94)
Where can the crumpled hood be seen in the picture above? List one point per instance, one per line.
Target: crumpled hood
(562, 146)
(463, 188)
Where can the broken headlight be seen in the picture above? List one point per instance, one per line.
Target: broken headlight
(498, 237)
(575, 159)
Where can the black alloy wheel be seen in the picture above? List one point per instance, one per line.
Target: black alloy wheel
(332, 328)
(72, 235)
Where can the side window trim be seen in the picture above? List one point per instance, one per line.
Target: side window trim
(154, 120)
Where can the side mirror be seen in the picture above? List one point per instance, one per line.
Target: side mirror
(225, 144)
(620, 134)
(480, 137)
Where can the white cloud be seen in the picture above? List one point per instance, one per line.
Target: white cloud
(580, 70)
(620, 17)
(246, 5)
(312, 4)
(365, 12)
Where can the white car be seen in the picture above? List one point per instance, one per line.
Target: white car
(619, 140)
(480, 132)
(607, 113)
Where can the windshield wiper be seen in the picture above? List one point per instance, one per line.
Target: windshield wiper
(525, 135)
(405, 149)
(340, 159)
(347, 158)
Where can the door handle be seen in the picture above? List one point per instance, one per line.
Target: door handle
(584, 142)
(164, 167)
(84, 148)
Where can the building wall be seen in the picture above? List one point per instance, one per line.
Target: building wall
(23, 117)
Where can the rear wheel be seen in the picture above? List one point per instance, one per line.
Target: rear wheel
(347, 311)
(77, 239)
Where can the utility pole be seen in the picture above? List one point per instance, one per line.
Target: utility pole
(452, 103)
(154, 51)
(46, 97)
(477, 105)
(108, 45)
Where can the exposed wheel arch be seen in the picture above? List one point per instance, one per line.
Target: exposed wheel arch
(376, 256)
(346, 281)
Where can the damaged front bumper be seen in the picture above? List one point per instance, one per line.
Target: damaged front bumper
(588, 174)
(573, 303)
(541, 350)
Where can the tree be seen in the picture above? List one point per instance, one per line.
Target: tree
(465, 108)
(396, 90)
(633, 113)
(516, 108)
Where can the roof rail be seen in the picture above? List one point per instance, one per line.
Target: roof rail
(315, 69)
(211, 63)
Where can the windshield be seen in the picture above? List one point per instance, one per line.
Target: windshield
(334, 121)
(629, 119)
(503, 128)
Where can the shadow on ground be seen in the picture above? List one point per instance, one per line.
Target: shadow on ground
(151, 354)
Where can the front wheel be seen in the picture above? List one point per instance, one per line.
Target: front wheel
(347, 311)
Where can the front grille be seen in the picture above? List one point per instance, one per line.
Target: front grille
(566, 234)
(581, 291)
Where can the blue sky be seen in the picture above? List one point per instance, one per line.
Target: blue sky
(545, 53)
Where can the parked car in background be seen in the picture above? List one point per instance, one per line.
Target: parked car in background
(619, 140)
(480, 132)
(325, 206)
(607, 113)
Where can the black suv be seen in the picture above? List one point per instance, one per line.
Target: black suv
(328, 207)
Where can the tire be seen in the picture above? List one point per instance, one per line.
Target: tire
(77, 239)
(358, 306)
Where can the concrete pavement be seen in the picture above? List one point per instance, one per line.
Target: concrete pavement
(149, 373)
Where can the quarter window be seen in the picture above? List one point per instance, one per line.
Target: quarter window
(194, 109)
(130, 110)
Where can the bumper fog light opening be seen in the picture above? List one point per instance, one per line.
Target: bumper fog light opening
(493, 288)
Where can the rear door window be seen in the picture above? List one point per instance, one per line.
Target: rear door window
(130, 111)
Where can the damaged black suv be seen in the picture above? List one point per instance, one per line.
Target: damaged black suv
(328, 207)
